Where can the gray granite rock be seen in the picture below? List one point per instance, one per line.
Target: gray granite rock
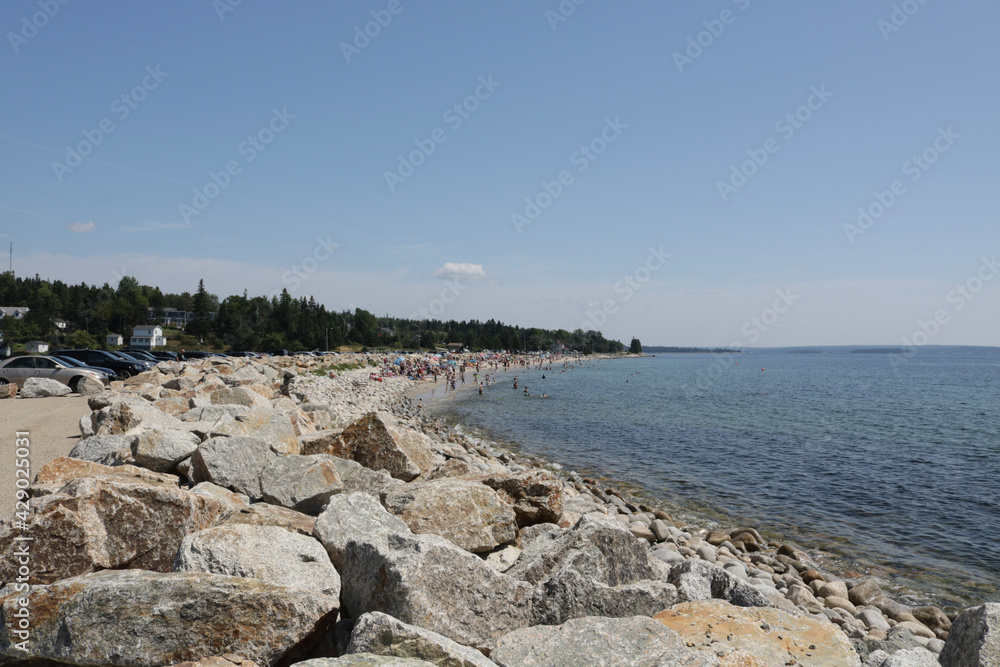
(266, 553)
(974, 638)
(350, 517)
(636, 641)
(302, 483)
(380, 634)
(233, 462)
(426, 580)
(160, 450)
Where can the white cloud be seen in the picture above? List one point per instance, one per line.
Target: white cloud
(464, 270)
(81, 227)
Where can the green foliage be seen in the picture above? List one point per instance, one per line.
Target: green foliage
(635, 347)
(80, 339)
(260, 323)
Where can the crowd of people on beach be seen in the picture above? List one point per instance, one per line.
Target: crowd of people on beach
(451, 369)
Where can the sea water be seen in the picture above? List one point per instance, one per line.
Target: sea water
(880, 463)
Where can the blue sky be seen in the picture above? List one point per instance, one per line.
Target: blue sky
(713, 157)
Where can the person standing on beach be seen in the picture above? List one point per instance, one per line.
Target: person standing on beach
(515, 382)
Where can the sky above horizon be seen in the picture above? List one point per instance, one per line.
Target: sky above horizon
(724, 173)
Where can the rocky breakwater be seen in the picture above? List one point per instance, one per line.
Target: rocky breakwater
(246, 513)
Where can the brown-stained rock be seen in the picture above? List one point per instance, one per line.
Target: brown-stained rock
(134, 617)
(263, 514)
(109, 523)
(771, 636)
(468, 514)
(376, 441)
(58, 472)
(536, 495)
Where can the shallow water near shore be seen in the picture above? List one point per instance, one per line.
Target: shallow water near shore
(885, 469)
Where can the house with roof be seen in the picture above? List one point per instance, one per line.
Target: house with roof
(147, 337)
(61, 324)
(17, 312)
(114, 340)
(36, 347)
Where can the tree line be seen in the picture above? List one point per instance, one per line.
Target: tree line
(259, 323)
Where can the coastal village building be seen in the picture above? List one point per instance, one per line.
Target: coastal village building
(36, 347)
(17, 312)
(147, 337)
(114, 340)
(61, 324)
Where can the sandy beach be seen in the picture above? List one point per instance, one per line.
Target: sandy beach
(53, 425)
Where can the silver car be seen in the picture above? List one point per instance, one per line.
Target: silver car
(19, 369)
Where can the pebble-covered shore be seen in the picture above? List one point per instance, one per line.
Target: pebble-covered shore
(186, 471)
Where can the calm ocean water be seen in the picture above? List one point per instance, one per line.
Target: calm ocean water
(875, 467)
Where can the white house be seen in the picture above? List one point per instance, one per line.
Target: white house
(114, 340)
(17, 312)
(36, 347)
(147, 337)
(61, 324)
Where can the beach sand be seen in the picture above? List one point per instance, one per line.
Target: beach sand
(54, 428)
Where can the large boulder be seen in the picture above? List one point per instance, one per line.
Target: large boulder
(536, 495)
(636, 641)
(767, 635)
(106, 523)
(134, 617)
(378, 442)
(351, 517)
(974, 638)
(43, 388)
(264, 514)
(235, 462)
(469, 514)
(302, 483)
(57, 472)
(596, 569)
(267, 553)
(160, 450)
(696, 579)
(88, 386)
(129, 415)
(104, 449)
(379, 634)
(426, 580)
(357, 478)
(239, 396)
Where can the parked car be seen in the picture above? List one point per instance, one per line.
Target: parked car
(144, 355)
(70, 361)
(239, 353)
(278, 353)
(163, 355)
(125, 368)
(19, 369)
(196, 354)
(147, 365)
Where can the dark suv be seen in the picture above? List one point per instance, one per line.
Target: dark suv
(100, 358)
